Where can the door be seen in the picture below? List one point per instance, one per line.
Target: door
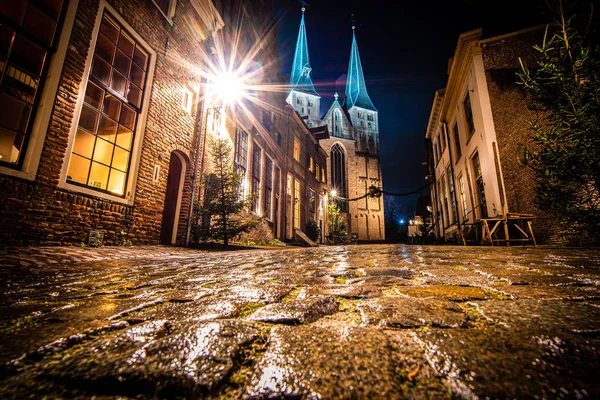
(170, 220)
(480, 187)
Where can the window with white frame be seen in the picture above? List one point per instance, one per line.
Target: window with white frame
(187, 100)
(108, 120)
(240, 158)
(256, 173)
(268, 187)
(28, 38)
(463, 197)
(167, 8)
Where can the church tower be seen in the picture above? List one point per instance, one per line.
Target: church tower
(303, 97)
(353, 150)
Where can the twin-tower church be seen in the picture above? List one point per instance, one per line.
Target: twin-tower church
(353, 145)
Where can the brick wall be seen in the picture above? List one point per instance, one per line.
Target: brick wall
(512, 121)
(39, 212)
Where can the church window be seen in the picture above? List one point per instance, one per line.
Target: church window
(337, 123)
(370, 117)
(338, 174)
(110, 115)
(296, 149)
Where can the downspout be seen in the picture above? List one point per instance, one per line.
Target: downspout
(460, 232)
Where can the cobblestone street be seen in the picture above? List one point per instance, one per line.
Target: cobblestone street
(371, 321)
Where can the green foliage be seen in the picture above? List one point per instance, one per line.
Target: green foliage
(224, 205)
(335, 222)
(313, 231)
(564, 86)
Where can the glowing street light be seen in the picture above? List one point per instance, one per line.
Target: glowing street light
(227, 88)
(333, 193)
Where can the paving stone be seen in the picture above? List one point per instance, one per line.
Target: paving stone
(445, 292)
(398, 312)
(317, 363)
(296, 312)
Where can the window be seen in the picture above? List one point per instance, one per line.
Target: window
(443, 141)
(323, 175)
(479, 186)
(112, 105)
(256, 171)
(268, 187)
(311, 164)
(278, 138)
(289, 185)
(317, 171)
(312, 203)
(310, 103)
(444, 194)
(457, 151)
(360, 115)
(452, 196)
(337, 123)
(370, 117)
(296, 149)
(216, 121)
(299, 101)
(463, 197)
(187, 100)
(469, 116)
(338, 174)
(240, 158)
(167, 8)
(296, 204)
(28, 35)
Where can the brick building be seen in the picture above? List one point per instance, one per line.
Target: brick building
(105, 111)
(478, 137)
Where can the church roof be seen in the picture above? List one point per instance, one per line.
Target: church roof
(356, 88)
(300, 77)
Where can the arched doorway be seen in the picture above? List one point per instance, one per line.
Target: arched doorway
(175, 180)
(338, 174)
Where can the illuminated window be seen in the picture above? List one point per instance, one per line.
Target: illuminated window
(27, 41)
(311, 164)
(167, 8)
(338, 174)
(268, 187)
(256, 172)
(107, 124)
(296, 149)
(469, 116)
(296, 204)
(323, 178)
(289, 185)
(463, 197)
(317, 171)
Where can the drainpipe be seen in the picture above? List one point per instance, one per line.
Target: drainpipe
(445, 127)
(200, 117)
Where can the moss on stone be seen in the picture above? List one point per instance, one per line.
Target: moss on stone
(249, 308)
(292, 294)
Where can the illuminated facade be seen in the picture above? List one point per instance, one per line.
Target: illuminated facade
(353, 144)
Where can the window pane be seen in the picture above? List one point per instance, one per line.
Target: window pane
(103, 152)
(88, 119)
(120, 159)
(137, 76)
(10, 145)
(84, 145)
(105, 49)
(50, 7)
(15, 113)
(40, 25)
(101, 70)
(134, 95)
(2, 66)
(6, 38)
(20, 84)
(14, 9)
(127, 117)
(109, 29)
(28, 55)
(107, 129)
(111, 107)
(116, 183)
(98, 176)
(119, 83)
(93, 95)
(122, 63)
(79, 168)
(124, 137)
(140, 58)
(126, 45)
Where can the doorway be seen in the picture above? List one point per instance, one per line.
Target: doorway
(170, 220)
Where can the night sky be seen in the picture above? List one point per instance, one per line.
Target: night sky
(404, 47)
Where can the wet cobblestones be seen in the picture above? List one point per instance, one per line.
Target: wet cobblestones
(377, 321)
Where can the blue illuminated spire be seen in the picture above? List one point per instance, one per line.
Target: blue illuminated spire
(356, 89)
(300, 77)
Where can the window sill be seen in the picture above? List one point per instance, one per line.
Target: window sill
(128, 201)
